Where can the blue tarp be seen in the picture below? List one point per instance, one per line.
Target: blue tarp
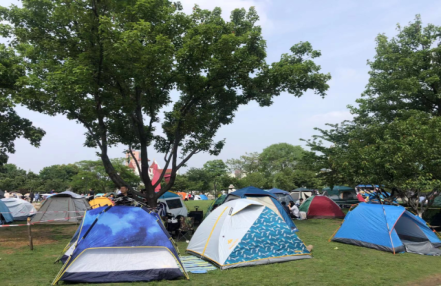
(4, 211)
(378, 226)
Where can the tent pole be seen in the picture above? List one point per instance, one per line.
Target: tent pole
(31, 244)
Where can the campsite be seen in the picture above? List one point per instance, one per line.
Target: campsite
(337, 266)
(213, 142)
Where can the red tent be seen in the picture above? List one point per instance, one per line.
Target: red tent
(321, 207)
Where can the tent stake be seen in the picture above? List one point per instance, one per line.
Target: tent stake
(31, 244)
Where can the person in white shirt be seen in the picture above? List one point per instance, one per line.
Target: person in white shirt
(295, 213)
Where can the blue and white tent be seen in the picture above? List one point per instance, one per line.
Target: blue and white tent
(266, 198)
(175, 204)
(120, 244)
(388, 228)
(244, 232)
(5, 213)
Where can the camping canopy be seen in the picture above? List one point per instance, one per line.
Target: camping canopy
(244, 232)
(175, 204)
(263, 197)
(387, 228)
(282, 196)
(20, 209)
(120, 244)
(5, 213)
(65, 207)
(321, 207)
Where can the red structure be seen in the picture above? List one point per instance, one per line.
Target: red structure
(321, 207)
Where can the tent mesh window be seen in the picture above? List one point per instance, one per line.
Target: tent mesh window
(174, 203)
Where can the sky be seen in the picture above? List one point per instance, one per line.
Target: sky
(344, 31)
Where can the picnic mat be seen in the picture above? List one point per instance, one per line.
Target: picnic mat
(194, 264)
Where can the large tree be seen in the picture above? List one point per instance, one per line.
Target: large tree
(405, 74)
(111, 65)
(12, 126)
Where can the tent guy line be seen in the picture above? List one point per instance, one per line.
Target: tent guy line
(32, 223)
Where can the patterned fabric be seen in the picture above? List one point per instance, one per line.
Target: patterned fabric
(268, 237)
(196, 265)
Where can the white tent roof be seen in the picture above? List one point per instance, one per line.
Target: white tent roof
(20, 209)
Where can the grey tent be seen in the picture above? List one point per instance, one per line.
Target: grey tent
(65, 207)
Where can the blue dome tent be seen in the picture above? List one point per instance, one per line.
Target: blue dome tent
(120, 244)
(264, 197)
(388, 228)
(204, 197)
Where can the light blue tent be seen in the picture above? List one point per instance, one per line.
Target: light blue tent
(388, 228)
(5, 214)
(269, 199)
(120, 244)
(204, 197)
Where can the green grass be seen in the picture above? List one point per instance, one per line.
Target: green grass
(332, 264)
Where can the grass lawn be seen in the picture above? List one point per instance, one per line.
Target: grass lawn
(332, 264)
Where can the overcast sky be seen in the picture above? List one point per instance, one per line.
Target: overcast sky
(343, 30)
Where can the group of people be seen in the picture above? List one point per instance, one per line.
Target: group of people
(293, 208)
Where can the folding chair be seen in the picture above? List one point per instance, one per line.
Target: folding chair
(186, 228)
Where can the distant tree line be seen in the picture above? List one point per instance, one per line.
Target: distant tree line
(78, 177)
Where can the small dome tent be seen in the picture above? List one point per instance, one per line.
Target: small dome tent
(203, 197)
(5, 214)
(388, 228)
(120, 244)
(20, 209)
(321, 207)
(245, 232)
(265, 198)
(175, 204)
(65, 207)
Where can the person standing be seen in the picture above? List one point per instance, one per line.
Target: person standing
(37, 197)
(31, 197)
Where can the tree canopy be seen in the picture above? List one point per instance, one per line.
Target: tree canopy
(394, 137)
(12, 126)
(111, 66)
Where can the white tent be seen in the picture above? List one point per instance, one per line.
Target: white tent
(20, 209)
(244, 232)
(175, 204)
